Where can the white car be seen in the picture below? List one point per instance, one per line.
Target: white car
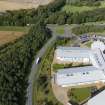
(37, 60)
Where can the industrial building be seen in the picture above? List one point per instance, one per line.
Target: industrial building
(72, 54)
(81, 75)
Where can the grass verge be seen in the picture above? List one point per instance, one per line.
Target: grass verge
(79, 94)
(14, 28)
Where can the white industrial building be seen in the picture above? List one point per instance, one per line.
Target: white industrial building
(81, 75)
(72, 54)
(98, 99)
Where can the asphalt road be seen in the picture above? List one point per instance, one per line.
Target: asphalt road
(35, 68)
(40, 54)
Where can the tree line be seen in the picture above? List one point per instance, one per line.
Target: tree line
(61, 17)
(85, 2)
(88, 28)
(15, 64)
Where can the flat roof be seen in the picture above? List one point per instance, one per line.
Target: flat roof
(71, 52)
(72, 48)
(82, 75)
(98, 99)
(72, 76)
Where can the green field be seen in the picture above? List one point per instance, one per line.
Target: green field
(88, 44)
(56, 67)
(71, 8)
(97, 33)
(14, 28)
(60, 30)
(80, 94)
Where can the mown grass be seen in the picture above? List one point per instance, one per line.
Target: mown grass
(14, 28)
(80, 94)
(60, 30)
(88, 44)
(70, 8)
(56, 67)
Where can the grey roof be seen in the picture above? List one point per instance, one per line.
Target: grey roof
(98, 99)
(76, 70)
(73, 52)
(80, 75)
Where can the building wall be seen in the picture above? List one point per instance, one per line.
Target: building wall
(72, 60)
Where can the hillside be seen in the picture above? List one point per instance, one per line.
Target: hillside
(21, 4)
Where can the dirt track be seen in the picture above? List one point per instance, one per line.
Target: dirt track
(21, 4)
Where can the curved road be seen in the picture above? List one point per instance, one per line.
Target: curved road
(40, 54)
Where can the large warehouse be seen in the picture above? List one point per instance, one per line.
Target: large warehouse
(72, 54)
(81, 75)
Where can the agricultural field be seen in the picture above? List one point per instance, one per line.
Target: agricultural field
(9, 33)
(21, 4)
(72, 8)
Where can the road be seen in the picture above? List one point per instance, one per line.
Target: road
(40, 54)
(35, 68)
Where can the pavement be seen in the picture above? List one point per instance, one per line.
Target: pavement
(40, 54)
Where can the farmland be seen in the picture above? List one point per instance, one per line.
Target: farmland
(21, 4)
(9, 34)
